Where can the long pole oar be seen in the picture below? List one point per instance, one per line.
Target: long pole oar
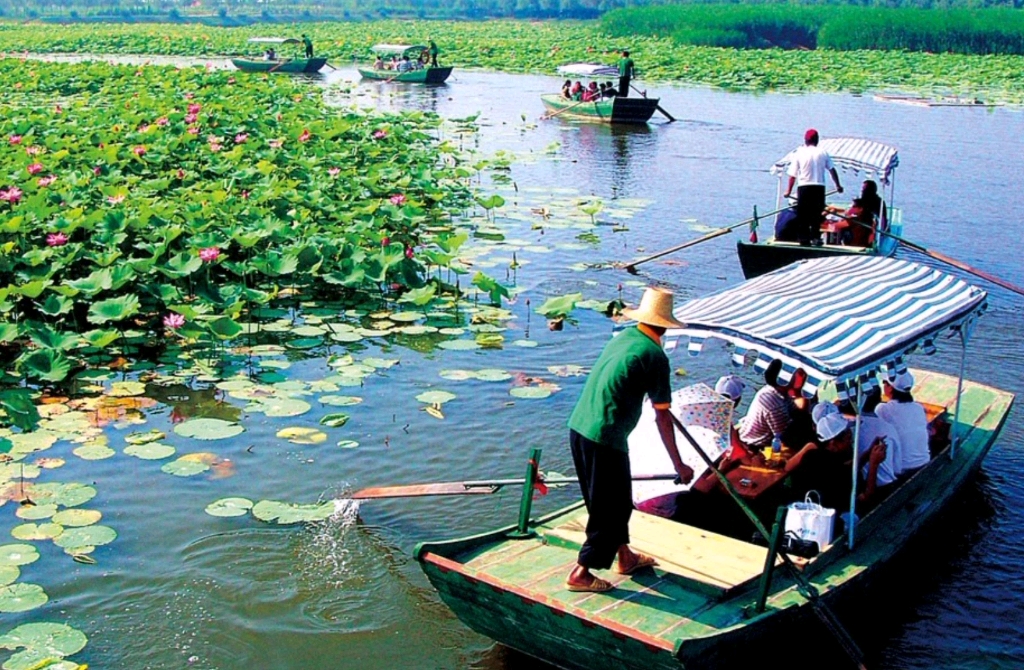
(631, 267)
(481, 487)
(658, 107)
(941, 257)
(806, 589)
(287, 60)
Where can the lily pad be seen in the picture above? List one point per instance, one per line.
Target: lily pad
(36, 512)
(436, 397)
(33, 531)
(282, 407)
(226, 507)
(143, 438)
(309, 331)
(348, 444)
(340, 400)
(8, 573)
(77, 517)
(288, 513)
(71, 494)
(151, 451)
(185, 467)
(406, 317)
(380, 363)
(86, 536)
(492, 375)
(457, 375)
(304, 343)
(346, 337)
(21, 597)
(526, 344)
(529, 392)
(93, 452)
(459, 345)
(45, 639)
(208, 429)
(302, 435)
(18, 554)
(335, 420)
(126, 389)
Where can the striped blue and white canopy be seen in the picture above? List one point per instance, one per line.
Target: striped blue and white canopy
(850, 153)
(840, 319)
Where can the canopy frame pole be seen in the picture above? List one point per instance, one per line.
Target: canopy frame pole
(852, 514)
(965, 335)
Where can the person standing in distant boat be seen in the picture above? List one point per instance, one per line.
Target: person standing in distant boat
(807, 172)
(626, 72)
(308, 43)
(433, 50)
(633, 365)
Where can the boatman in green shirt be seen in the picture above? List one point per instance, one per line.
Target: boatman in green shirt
(308, 43)
(625, 74)
(632, 365)
(433, 50)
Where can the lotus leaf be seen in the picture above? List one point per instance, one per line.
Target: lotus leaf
(32, 531)
(340, 400)
(457, 375)
(143, 438)
(18, 554)
(85, 536)
(208, 429)
(304, 343)
(380, 363)
(302, 435)
(126, 389)
(185, 467)
(276, 364)
(282, 407)
(36, 512)
(152, 451)
(453, 332)
(459, 345)
(227, 507)
(77, 517)
(45, 639)
(287, 513)
(406, 317)
(346, 337)
(435, 397)
(525, 343)
(237, 384)
(21, 597)
(492, 375)
(530, 392)
(93, 452)
(8, 574)
(348, 444)
(416, 330)
(69, 495)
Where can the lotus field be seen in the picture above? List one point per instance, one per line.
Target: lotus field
(518, 46)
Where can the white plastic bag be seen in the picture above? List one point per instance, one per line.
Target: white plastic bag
(808, 520)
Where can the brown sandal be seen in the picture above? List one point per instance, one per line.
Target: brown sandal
(596, 585)
(642, 561)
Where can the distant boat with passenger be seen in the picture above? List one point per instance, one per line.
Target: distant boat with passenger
(604, 109)
(271, 62)
(718, 600)
(408, 64)
(875, 161)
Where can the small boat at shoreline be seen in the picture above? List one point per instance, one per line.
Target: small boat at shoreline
(418, 54)
(875, 161)
(618, 109)
(717, 599)
(283, 65)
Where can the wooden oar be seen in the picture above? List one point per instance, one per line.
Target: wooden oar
(482, 487)
(806, 589)
(631, 267)
(940, 257)
(550, 115)
(287, 60)
(658, 107)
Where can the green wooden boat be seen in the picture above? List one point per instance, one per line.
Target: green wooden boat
(417, 53)
(278, 64)
(607, 110)
(700, 608)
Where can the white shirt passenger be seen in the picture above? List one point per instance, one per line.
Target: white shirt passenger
(810, 164)
(871, 427)
(911, 424)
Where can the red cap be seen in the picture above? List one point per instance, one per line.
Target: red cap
(811, 135)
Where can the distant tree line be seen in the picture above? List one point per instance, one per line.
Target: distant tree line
(248, 11)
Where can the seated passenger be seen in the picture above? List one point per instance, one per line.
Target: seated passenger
(270, 55)
(769, 414)
(909, 420)
(873, 428)
(576, 91)
(609, 90)
(566, 89)
(379, 63)
(736, 453)
(786, 224)
(857, 229)
(591, 93)
(405, 65)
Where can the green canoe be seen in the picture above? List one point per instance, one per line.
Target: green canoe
(607, 110)
(392, 54)
(427, 75)
(697, 608)
(284, 65)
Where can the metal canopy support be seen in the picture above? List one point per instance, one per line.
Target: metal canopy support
(965, 334)
(852, 514)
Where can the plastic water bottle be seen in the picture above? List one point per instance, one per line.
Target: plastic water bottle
(776, 446)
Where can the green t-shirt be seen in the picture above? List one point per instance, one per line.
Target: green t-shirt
(631, 366)
(626, 67)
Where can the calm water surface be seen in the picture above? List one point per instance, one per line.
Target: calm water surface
(181, 589)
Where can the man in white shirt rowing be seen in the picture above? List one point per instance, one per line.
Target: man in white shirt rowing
(807, 172)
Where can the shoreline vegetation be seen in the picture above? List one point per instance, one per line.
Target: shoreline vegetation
(540, 46)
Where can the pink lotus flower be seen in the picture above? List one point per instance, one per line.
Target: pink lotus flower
(215, 147)
(162, 121)
(397, 200)
(144, 128)
(35, 168)
(190, 118)
(240, 138)
(14, 139)
(385, 242)
(193, 130)
(334, 172)
(209, 254)
(305, 136)
(194, 108)
(33, 150)
(11, 195)
(138, 73)
(139, 151)
(279, 116)
(116, 199)
(46, 181)
(189, 96)
(276, 144)
(97, 170)
(231, 80)
(57, 109)
(174, 321)
(245, 195)
(380, 134)
(409, 253)
(56, 239)
(181, 173)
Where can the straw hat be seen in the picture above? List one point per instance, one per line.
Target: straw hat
(655, 309)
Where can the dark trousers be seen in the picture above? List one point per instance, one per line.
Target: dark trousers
(607, 487)
(810, 205)
(623, 87)
(309, 52)
(433, 60)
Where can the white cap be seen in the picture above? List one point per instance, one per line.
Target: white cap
(831, 425)
(823, 409)
(902, 382)
(730, 385)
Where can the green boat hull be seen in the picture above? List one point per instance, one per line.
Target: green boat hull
(607, 110)
(287, 66)
(512, 589)
(428, 75)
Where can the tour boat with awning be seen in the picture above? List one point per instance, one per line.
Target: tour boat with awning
(717, 599)
(616, 109)
(278, 64)
(420, 70)
(862, 158)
